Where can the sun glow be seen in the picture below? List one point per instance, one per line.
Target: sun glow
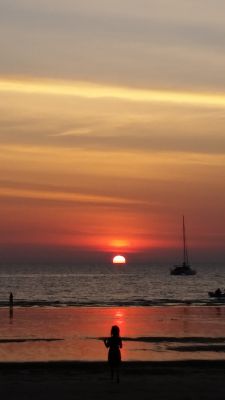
(119, 243)
(119, 260)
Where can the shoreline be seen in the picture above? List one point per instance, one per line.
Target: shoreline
(76, 364)
(128, 369)
(215, 302)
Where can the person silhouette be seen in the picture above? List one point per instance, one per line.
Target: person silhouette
(114, 344)
(11, 300)
(11, 306)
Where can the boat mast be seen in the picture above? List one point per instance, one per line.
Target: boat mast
(184, 243)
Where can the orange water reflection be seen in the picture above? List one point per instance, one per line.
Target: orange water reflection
(81, 328)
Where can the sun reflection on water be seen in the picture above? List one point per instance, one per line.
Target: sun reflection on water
(77, 333)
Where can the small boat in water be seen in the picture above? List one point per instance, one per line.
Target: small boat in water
(184, 268)
(218, 294)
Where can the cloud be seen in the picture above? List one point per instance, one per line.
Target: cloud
(192, 143)
(75, 132)
(62, 196)
(164, 43)
(95, 91)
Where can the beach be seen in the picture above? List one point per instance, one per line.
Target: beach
(169, 352)
(186, 380)
(58, 353)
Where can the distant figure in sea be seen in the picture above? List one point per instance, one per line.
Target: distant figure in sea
(11, 305)
(11, 300)
(114, 344)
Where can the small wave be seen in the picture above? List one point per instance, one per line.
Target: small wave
(211, 347)
(114, 303)
(22, 340)
(173, 339)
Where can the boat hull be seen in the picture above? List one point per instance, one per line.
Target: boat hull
(216, 296)
(182, 270)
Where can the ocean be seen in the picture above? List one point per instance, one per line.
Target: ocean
(107, 285)
(64, 312)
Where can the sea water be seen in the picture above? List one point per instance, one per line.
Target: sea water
(107, 285)
(64, 312)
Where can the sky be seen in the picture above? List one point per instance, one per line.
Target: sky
(112, 127)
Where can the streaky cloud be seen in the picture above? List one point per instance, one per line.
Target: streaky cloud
(150, 142)
(66, 196)
(74, 132)
(96, 91)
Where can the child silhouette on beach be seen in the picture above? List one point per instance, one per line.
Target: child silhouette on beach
(114, 344)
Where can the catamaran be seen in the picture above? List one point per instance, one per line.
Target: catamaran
(184, 268)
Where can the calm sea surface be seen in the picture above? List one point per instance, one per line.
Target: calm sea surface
(63, 313)
(107, 285)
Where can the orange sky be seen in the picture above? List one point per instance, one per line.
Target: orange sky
(106, 143)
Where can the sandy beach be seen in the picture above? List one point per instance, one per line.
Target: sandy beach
(168, 353)
(186, 380)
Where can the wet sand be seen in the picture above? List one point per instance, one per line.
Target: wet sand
(76, 333)
(186, 380)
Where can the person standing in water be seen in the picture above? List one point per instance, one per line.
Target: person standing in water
(11, 305)
(11, 300)
(114, 344)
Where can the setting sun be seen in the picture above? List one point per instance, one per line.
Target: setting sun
(119, 260)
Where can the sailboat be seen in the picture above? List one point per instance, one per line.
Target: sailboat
(184, 268)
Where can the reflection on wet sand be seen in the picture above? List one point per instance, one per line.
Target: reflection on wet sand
(149, 333)
(11, 307)
(10, 314)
